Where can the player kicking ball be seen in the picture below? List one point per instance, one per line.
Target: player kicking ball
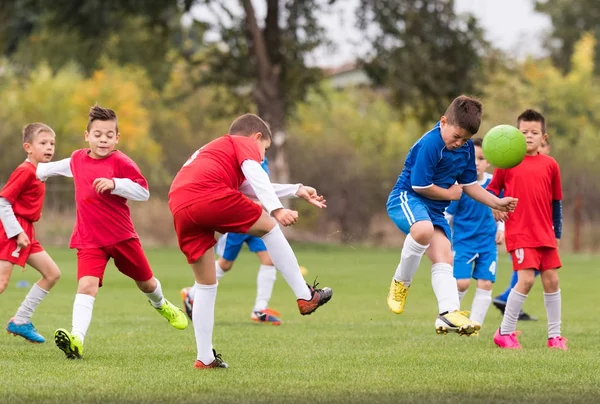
(437, 169)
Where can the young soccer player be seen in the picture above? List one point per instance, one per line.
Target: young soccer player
(104, 180)
(437, 169)
(209, 193)
(532, 231)
(474, 238)
(228, 248)
(500, 300)
(21, 202)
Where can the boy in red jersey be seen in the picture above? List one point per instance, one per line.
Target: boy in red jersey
(104, 179)
(533, 231)
(21, 202)
(209, 193)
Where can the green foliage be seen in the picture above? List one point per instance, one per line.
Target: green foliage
(422, 51)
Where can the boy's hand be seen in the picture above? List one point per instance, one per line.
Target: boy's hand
(103, 184)
(500, 216)
(499, 237)
(311, 196)
(22, 240)
(507, 204)
(455, 192)
(285, 217)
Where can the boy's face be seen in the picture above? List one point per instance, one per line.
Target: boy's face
(453, 136)
(533, 135)
(41, 149)
(264, 142)
(102, 137)
(480, 162)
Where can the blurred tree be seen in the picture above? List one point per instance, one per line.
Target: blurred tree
(422, 51)
(569, 20)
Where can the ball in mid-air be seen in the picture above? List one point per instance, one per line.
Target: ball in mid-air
(504, 146)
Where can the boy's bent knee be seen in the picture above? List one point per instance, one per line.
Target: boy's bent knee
(422, 232)
(463, 284)
(484, 284)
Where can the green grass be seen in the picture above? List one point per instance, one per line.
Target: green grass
(352, 350)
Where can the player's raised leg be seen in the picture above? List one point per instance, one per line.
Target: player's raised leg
(450, 318)
(309, 298)
(21, 323)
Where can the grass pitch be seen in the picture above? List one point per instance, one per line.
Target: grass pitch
(352, 350)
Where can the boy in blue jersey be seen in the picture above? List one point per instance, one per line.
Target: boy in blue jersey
(474, 238)
(438, 167)
(228, 248)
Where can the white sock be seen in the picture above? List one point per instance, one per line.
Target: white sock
(552, 301)
(156, 298)
(461, 295)
(444, 287)
(203, 318)
(82, 314)
(481, 304)
(264, 286)
(219, 270)
(514, 304)
(410, 258)
(285, 261)
(27, 307)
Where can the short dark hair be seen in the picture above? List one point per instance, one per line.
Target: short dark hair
(97, 113)
(465, 112)
(477, 141)
(530, 115)
(31, 130)
(249, 124)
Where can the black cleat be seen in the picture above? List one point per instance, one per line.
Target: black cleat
(500, 304)
(526, 317)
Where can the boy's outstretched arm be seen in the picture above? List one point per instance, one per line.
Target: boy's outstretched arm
(8, 219)
(477, 192)
(54, 169)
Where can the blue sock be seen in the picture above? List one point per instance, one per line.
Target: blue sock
(513, 282)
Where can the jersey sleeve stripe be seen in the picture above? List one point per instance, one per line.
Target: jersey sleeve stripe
(419, 187)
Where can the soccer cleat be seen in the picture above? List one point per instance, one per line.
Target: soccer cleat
(217, 363)
(266, 316)
(456, 321)
(499, 304)
(26, 331)
(173, 314)
(71, 345)
(508, 341)
(526, 317)
(188, 302)
(396, 299)
(318, 298)
(558, 343)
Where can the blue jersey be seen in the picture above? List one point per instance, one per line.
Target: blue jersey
(265, 165)
(474, 227)
(429, 163)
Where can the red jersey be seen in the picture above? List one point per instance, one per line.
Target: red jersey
(25, 192)
(536, 182)
(102, 219)
(214, 167)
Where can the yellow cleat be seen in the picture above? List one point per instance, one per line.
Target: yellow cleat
(396, 299)
(174, 315)
(70, 344)
(458, 322)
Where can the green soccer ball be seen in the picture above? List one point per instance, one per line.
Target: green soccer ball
(504, 146)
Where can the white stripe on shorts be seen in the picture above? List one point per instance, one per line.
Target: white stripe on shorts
(405, 208)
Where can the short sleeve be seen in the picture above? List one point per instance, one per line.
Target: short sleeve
(421, 175)
(469, 174)
(496, 185)
(17, 182)
(128, 169)
(556, 183)
(246, 149)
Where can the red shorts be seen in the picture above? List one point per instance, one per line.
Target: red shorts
(9, 251)
(226, 212)
(539, 258)
(128, 256)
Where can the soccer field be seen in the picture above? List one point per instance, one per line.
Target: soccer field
(351, 350)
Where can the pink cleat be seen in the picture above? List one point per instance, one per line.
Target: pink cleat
(558, 343)
(508, 341)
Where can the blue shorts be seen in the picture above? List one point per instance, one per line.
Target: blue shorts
(406, 210)
(230, 244)
(469, 264)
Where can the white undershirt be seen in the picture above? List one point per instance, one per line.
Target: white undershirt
(258, 186)
(8, 218)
